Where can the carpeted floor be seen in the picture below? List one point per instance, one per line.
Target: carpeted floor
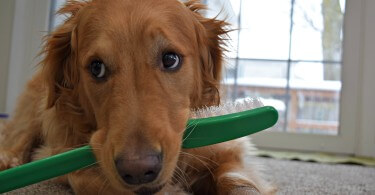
(296, 177)
(291, 177)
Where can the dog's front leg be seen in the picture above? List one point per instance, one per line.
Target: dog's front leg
(236, 174)
(233, 178)
(19, 134)
(225, 169)
(16, 144)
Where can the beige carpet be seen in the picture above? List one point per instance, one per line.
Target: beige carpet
(291, 177)
(296, 177)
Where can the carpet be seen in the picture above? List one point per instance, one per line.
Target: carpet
(298, 177)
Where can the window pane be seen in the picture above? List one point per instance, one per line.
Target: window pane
(317, 30)
(257, 73)
(227, 10)
(57, 19)
(262, 79)
(264, 30)
(314, 101)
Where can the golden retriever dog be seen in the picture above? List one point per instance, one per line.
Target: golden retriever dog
(123, 77)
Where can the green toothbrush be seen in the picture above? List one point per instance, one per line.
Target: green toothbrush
(199, 132)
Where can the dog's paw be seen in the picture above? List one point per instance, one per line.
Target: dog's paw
(244, 191)
(8, 160)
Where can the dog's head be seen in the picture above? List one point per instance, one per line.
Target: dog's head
(135, 68)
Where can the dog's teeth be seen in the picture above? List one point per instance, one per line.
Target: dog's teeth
(227, 108)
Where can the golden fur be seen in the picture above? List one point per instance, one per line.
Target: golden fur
(138, 106)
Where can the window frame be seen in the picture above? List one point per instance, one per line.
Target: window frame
(352, 133)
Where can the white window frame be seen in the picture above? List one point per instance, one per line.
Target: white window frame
(357, 122)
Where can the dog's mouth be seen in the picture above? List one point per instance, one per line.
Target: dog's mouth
(149, 190)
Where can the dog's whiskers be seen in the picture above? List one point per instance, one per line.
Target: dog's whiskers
(104, 186)
(188, 165)
(182, 175)
(199, 156)
(204, 163)
(97, 177)
(195, 125)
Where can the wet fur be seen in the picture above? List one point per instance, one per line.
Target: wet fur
(138, 106)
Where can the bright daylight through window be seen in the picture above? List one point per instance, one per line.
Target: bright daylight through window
(288, 53)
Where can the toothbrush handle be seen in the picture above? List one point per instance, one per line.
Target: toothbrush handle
(207, 131)
(46, 168)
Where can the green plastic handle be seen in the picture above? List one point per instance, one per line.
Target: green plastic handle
(213, 130)
(46, 168)
(199, 132)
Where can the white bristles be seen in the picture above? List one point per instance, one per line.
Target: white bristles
(227, 108)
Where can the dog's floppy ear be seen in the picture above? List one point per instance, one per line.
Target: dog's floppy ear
(59, 64)
(211, 34)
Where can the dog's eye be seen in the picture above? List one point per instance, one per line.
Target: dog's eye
(171, 61)
(97, 69)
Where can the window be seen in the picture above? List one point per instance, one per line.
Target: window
(56, 20)
(288, 53)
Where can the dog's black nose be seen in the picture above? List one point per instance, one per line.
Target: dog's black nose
(139, 170)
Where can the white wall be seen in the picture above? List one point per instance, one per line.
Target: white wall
(29, 25)
(366, 138)
(6, 21)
